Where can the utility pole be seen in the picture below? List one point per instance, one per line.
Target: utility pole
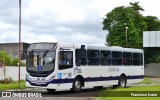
(126, 34)
(126, 37)
(19, 51)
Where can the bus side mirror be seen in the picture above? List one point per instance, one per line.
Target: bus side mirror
(24, 51)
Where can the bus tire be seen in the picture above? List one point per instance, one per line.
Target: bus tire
(77, 85)
(122, 81)
(51, 90)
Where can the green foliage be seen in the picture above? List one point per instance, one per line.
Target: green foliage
(7, 80)
(121, 17)
(121, 91)
(153, 24)
(15, 62)
(147, 81)
(8, 61)
(104, 95)
(13, 85)
(152, 55)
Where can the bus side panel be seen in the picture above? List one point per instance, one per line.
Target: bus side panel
(109, 75)
(65, 78)
(134, 74)
(99, 75)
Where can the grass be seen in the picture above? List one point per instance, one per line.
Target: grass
(125, 93)
(16, 66)
(147, 81)
(13, 86)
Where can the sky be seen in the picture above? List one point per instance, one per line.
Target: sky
(71, 21)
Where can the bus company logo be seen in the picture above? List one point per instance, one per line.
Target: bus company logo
(78, 70)
(19, 94)
(6, 94)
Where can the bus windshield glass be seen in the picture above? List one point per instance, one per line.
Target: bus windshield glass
(43, 59)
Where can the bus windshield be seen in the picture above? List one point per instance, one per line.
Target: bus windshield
(41, 60)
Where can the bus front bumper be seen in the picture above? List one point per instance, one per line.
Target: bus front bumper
(44, 86)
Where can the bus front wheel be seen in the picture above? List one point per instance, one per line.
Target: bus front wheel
(122, 81)
(77, 85)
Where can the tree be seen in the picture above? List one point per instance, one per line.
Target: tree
(15, 62)
(6, 59)
(153, 24)
(114, 23)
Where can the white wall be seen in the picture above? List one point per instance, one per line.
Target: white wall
(151, 39)
(13, 72)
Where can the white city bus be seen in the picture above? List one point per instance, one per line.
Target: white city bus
(72, 66)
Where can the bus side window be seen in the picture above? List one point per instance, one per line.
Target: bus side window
(141, 59)
(127, 58)
(116, 58)
(105, 57)
(65, 60)
(80, 57)
(136, 59)
(93, 57)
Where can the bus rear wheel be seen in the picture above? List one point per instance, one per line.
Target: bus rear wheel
(77, 85)
(51, 90)
(122, 81)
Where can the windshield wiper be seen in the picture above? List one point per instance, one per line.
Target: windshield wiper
(44, 54)
(30, 53)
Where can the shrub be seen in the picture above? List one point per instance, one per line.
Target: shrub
(8, 80)
(8, 60)
(15, 63)
(5, 58)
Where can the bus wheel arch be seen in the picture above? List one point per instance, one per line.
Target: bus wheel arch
(77, 83)
(122, 80)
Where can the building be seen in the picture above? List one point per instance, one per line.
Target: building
(151, 39)
(13, 48)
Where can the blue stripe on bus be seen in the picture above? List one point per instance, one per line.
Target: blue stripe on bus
(100, 79)
(135, 77)
(89, 79)
(60, 81)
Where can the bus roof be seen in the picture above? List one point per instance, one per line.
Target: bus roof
(92, 47)
(114, 48)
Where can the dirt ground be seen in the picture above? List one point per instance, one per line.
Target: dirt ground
(155, 80)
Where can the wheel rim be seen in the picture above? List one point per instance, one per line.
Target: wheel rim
(123, 83)
(77, 84)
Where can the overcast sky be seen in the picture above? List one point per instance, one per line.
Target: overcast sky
(72, 21)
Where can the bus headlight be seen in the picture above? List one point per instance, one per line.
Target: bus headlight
(27, 76)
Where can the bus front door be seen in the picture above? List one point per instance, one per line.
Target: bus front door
(65, 71)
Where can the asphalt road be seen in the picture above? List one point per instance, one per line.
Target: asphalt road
(85, 94)
(152, 70)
